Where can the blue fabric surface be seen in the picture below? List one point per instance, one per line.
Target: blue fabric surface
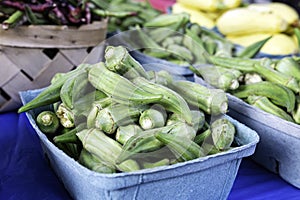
(26, 174)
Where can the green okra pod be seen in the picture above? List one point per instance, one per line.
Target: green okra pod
(152, 118)
(47, 122)
(265, 104)
(198, 120)
(183, 148)
(113, 116)
(118, 59)
(181, 52)
(96, 107)
(93, 163)
(171, 101)
(210, 45)
(211, 101)
(171, 21)
(70, 136)
(222, 132)
(296, 112)
(195, 46)
(66, 116)
(118, 87)
(277, 77)
(143, 143)
(105, 148)
(200, 138)
(219, 77)
(12, 20)
(242, 64)
(162, 162)
(288, 66)
(279, 94)
(123, 133)
(51, 94)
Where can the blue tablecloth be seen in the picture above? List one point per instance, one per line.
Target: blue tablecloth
(26, 174)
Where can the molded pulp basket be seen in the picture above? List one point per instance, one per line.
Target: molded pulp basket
(209, 177)
(279, 147)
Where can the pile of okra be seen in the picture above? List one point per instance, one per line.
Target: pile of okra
(272, 85)
(113, 116)
(121, 13)
(174, 38)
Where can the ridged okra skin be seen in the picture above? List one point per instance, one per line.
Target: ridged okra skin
(279, 94)
(110, 118)
(222, 132)
(118, 87)
(51, 94)
(288, 66)
(266, 105)
(183, 148)
(170, 100)
(118, 59)
(93, 163)
(211, 101)
(106, 149)
(123, 133)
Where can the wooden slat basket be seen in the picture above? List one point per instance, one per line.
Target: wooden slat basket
(31, 55)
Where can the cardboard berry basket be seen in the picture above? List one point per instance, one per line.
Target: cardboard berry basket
(279, 145)
(31, 55)
(210, 177)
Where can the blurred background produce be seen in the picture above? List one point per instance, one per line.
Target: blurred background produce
(246, 22)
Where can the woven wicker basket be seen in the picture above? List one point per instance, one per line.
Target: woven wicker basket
(31, 55)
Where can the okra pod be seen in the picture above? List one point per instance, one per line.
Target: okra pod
(96, 107)
(51, 94)
(47, 122)
(219, 77)
(152, 118)
(242, 64)
(117, 59)
(211, 101)
(222, 132)
(200, 138)
(296, 113)
(12, 20)
(70, 136)
(171, 21)
(66, 116)
(266, 105)
(113, 116)
(171, 100)
(279, 94)
(288, 66)
(118, 87)
(93, 163)
(100, 145)
(143, 142)
(182, 147)
(163, 162)
(198, 120)
(123, 133)
(277, 77)
(181, 52)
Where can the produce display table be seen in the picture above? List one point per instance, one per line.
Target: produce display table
(26, 174)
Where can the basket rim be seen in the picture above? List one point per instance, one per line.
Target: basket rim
(55, 36)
